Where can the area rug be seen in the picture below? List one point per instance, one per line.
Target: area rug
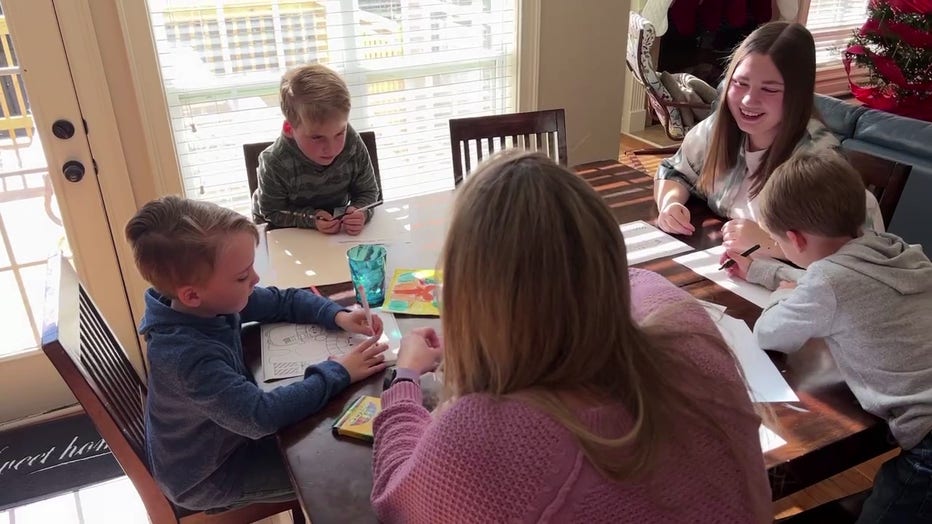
(53, 457)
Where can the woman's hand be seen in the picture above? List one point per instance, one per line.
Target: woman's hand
(353, 221)
(355, 321)
(421, 350)
(325, 223)
(741, 234)
(674, 218)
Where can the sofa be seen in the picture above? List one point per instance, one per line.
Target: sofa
(897, 138)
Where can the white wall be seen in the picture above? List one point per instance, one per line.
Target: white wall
(582, 69)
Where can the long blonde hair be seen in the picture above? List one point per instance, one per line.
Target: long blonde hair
(536, 304)
(792, 50)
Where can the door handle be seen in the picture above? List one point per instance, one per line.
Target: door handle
(63, 129)
(73, 170)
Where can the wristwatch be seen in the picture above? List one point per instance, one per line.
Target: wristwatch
(402, 375)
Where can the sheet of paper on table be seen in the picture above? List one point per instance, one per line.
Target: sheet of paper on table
(769, 440)
(706, 263)
(390, 223)
(644, 242)
(765, 383)
(287, 349)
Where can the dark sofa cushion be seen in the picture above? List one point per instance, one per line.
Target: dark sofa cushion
(905, 135)
(839, 116)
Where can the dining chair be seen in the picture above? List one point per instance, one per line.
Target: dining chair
(251, 155)
(641, 36)
(840, 511)
(543, 131)
(886, 179)
(92, 362)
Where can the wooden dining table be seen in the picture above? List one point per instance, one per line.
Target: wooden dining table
(826, 431)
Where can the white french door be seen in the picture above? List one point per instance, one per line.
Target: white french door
(50, 199)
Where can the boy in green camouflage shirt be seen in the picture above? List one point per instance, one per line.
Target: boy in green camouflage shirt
(319, 164)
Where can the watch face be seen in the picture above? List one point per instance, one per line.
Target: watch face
(389, 378)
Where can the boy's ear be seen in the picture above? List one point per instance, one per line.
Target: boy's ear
(287, 129)
(188, 296)
(798, 240)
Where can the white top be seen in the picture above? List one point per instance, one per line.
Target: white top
(745, 208)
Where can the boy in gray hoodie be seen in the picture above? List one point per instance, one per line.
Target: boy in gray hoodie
(869, 296)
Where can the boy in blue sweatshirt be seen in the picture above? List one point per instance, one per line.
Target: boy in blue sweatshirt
(209, 428)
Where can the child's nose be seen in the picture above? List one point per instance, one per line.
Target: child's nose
(255, 277)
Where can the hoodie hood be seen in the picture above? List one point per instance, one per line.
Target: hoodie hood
(887, 259)
(160, 315)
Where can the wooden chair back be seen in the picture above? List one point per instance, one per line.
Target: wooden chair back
(886, 179)
(87, 355)
(543, 131)
(251, 156)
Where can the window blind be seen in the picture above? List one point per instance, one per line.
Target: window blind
(410, 65)
(832, 23)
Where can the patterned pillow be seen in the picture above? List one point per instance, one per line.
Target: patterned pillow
(685, 87)
(641, 37)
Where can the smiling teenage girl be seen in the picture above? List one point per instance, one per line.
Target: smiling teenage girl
(766, 116)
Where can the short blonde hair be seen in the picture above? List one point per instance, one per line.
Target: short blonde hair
(816, 193)
(537, 301)
(175, 240)
(313, 93)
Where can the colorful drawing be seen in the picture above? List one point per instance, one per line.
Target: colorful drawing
(414, 292)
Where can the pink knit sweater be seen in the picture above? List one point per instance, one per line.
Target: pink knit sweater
(492, 460)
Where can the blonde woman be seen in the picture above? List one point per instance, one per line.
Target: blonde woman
(578, 390)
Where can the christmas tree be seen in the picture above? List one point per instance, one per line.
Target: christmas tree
(895, 47)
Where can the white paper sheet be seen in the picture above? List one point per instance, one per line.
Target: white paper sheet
(287, 349)
(645, 242)
(714, 307)
(765, 383)
(769, 440)
(706, 263)
(390, 223)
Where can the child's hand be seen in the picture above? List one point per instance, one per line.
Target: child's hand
(325, 223)
(786, 284)
(741, 234)
(355, 322)
(421, 350)
(740, 266)
(364, 360)
(674, 218)
(353, 221)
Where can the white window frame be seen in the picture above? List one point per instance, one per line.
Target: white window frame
(831, 78)
(141, 49)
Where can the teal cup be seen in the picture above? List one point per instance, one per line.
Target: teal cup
(367, 269)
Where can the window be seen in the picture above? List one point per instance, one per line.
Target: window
(831, 23)
(411, 65)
